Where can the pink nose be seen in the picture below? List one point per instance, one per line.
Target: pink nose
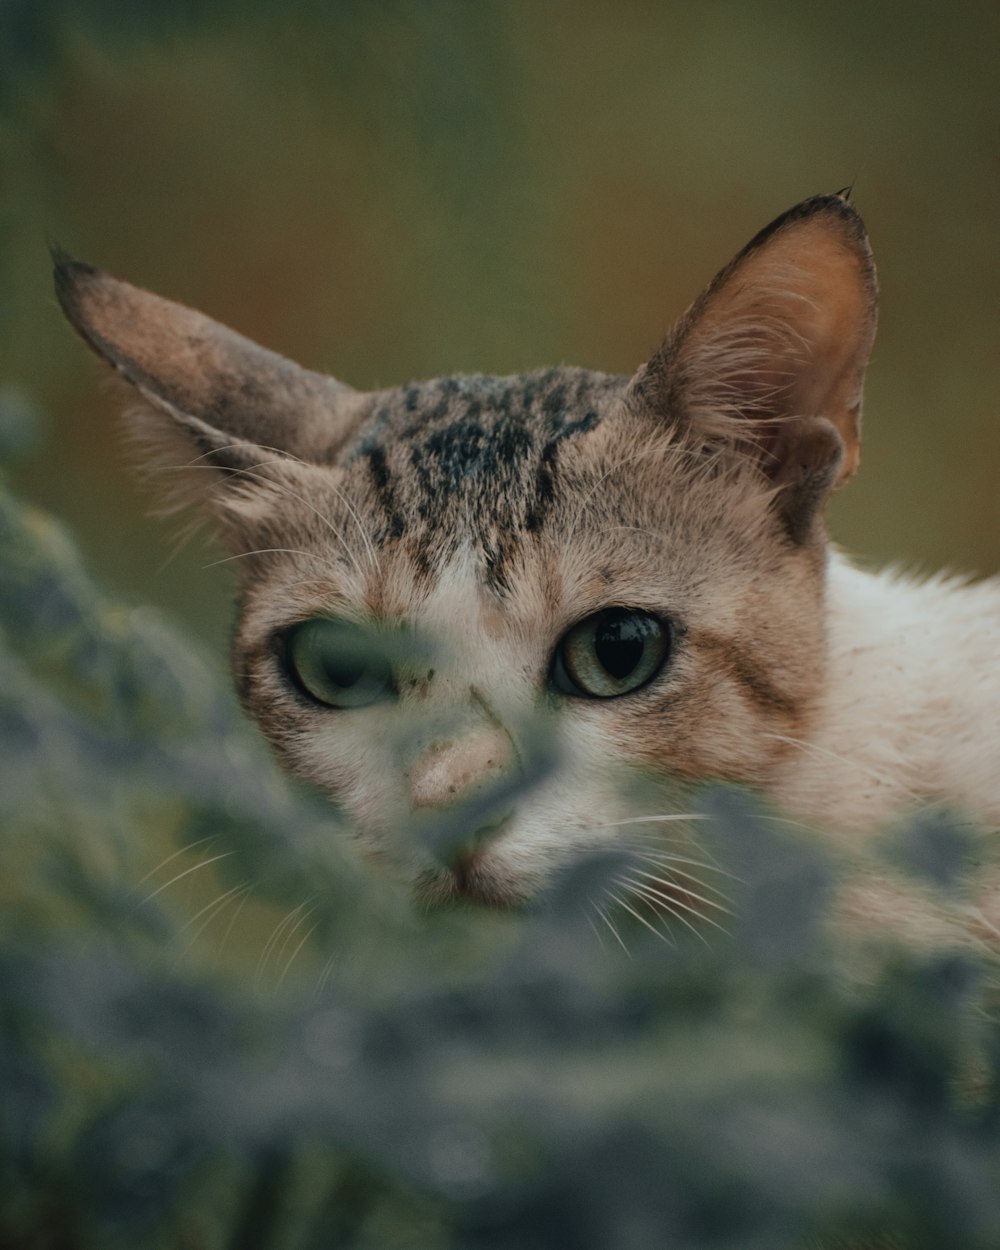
(453, 770)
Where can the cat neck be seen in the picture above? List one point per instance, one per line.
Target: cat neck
(911, 706)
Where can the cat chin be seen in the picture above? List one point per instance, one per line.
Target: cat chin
(472, 882)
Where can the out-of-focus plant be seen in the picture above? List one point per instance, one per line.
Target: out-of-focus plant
(455, 1080)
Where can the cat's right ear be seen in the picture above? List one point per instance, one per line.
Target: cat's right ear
(210, 398)
(765, 370)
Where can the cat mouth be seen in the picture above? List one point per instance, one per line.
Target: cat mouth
(474, 882)
(474, 873)
(470, 878)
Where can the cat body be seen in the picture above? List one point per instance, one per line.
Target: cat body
(910, 712)
(626, 578)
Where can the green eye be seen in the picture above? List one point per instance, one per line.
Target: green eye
(334, 665)
(611, 653)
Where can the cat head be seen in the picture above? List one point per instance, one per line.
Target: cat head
(483, 612)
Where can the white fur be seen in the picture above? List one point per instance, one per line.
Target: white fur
(911, 708)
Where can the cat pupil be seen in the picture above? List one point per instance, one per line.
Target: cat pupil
(619, 646)
(343, 673)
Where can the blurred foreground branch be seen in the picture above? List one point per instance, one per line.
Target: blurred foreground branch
(435, 1089)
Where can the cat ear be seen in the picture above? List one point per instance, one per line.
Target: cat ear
(208, 391)
(769, 361)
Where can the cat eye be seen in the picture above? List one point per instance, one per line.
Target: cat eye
(611, 653)
(331, 663)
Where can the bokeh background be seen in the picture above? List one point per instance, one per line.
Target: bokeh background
(398, 189)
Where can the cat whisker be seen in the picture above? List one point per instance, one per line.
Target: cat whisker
(365, 537)
(214, 859)
(266, 551)
(659, 903)
(596, 931)
(290, 933)
(826, 753)
(318, 585)
(213, 909)
(654, 839)
(669, 861)
(655, 851)
(348, 551)
(210, 837)
(285, 489)
(180, 541)
(680, 879)
(280, 452)
(612, 927)
(663, 936)
(276, 933)
(291, 959)
(203, 461)
(669, 864)
(325, 974)
(670, 903)
(649, 820)
(234, 917)
(274, 936)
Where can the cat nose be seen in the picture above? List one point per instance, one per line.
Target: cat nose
(453, 770)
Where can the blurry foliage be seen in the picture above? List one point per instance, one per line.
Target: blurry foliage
(381, 1079)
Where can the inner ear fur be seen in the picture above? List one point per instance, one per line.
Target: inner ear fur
(205, 387)
(191, 464)
(768, 363)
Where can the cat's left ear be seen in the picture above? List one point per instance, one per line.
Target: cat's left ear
(768, 363)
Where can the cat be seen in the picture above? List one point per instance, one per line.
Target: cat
(440, 581)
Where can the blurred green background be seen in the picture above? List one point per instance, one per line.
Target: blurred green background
(392, 190)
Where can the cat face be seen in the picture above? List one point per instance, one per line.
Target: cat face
(507, 620)
(457, 588)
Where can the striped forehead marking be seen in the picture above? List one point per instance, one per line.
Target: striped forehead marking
(474, 458)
